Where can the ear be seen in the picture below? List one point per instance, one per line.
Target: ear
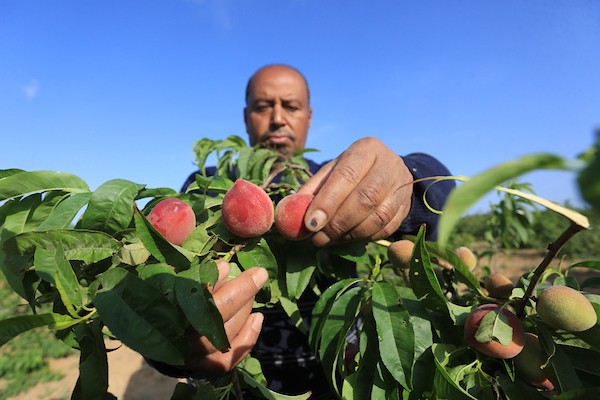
(309, 115)
(246, 118)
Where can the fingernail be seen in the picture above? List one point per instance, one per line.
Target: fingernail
(316, 220)
(257, 321)
(259, 277)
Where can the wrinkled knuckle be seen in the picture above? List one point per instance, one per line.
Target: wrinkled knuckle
(349, 174)
(336, 229)
(369, 196)
(383, 215)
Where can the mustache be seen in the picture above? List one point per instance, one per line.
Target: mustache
(278, 133)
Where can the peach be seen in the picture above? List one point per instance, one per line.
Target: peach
(467, 256)
(565, 308)
(289, 216)
(400, 253)
(528, 363)
(494, 348)
(498, 286)
(247, 209)
(174, 219)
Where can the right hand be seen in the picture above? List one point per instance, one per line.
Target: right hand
(234, 299)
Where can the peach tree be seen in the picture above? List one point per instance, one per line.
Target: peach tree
(108, 267)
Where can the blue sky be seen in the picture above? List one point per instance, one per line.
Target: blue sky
(122, 89)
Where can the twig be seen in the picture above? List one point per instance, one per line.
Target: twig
(553, 249)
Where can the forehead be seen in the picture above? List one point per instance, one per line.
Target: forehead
(278, 82)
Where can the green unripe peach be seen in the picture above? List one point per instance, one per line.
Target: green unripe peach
(247, 209)
(498, 286)
(289, 216)
(565, 308)
(467, 256)
(494, 348)
(400, 253)
(528, 363)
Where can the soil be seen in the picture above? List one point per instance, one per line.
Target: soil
(130, 378)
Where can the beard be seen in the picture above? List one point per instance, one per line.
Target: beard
(281, 140)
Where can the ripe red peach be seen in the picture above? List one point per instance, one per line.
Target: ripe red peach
(247, 209)
(174, 219)
(494, 348)
(289, 216)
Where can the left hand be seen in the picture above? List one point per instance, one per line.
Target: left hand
(360, 195)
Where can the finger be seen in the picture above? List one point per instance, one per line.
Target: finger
(218, 363)
(383, 221)
(334, 186)
(223, 268)
(313, 185)
(232, 329)
(234, 294)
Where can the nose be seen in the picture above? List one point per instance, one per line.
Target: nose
(277, 117)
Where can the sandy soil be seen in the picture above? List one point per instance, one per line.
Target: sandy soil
(130, 378)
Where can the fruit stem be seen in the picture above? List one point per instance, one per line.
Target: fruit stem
(553, 248)
(229, 255)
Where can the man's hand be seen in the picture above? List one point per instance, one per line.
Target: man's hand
(361, 195)
(234, 299)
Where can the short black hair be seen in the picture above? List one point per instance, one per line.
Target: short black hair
(277, 65)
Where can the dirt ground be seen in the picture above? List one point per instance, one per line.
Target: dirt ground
(130, 378)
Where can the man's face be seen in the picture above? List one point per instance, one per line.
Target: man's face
(277, 113)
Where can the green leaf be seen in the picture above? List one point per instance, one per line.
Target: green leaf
(4, 173)
(293, 312)
(322, 308)
(200, 241)
(17, 215)
(93, 364)
(87, 246)
(423, 279)
(141, 317)
(24, 183)
(133, 253)
(518, 390)
(494, 325)
(445, 385)
(52, 266)
(258, 254)
(471, 191)
(65, 212)
(341, 317)
(13, 327)
(157, 245)
(396, 336)
(111, 206)
(299, 268)
(201, 311)
(258, 388)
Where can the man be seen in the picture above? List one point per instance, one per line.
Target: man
(360, 195)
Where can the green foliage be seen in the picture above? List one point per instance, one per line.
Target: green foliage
(112, 275)
(24, 360)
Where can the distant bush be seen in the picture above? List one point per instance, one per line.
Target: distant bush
(547, 226)
(24, 359)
